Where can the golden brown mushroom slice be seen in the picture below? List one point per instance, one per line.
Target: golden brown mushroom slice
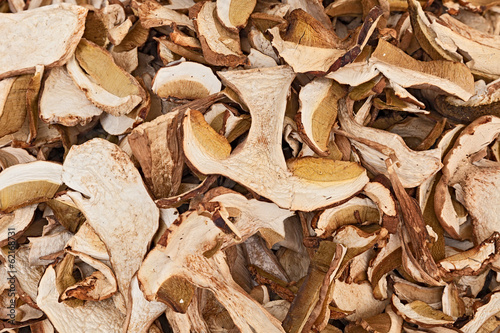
(173, 265)
(186, 80)
(115, 202)
(420, 313)
(58, 31)
(234, 14)
(24, 184)
(258, 163)
(62, 102)
(13, 224)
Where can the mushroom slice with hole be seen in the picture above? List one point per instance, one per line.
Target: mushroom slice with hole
(476, 181)
(58, 31)
(185, 80)
(115, 202)
(420, 313)
(152, 14)
(12, 225)
(318, 112)
(445, 76)
(413, 167)
(58, 93)
(100, 316)
(221, 47)
(310, 184)
(234, 14)
(483, 313)
(24, 184)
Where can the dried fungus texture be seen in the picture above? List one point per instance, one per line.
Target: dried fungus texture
(249, 166)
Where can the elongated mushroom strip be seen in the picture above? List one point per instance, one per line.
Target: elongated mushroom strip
(115, 202)
(413, 167)
(100, 316)
(58, 31)
(311, 184)
(24, 184)
(420, 313)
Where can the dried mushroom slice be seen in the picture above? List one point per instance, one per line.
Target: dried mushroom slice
(24, 184)
(318, 112)
(186, 80)
(152, 14)
(13, 103)
(375, 146)
(102, 316)
(483, 314)
(87, 241)
(12, 225)
(311, 184)
(11, 156)
(410, 292)
(445, 76)
(234, 14)
(62, 102)
(420, 313)
(58, 31)
(115, 203)
(104, 82)
(221, 47)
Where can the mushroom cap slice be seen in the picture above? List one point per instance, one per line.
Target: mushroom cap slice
(13, 224)
(186, 80)
(115, 202)
(62, 102)
(58, 31)
(100, 316)
(483, 313)
(258, 163)
(24, 184)
(418, 312)
(234, 14)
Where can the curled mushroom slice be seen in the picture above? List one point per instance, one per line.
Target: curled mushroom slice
(311, 184)
(483, 313)
(12, 225)
(62, 102)
(100, 316)
(152, 14)
(413, 167)
(58, 31)
(318, 112)
(420, 313)
(24, 184)
(11, 156)
(449, 77)
(86, 241)
(186, 80)
(476, 182)
(115, 202)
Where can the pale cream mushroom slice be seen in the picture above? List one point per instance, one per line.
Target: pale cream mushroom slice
(203, 264)
(87, 241)
(115, 202)
(11, 156)
(420, 313)
(152, 14)
(483, 314)
(476, 180)
(444, 76)
(304, 184)
(102, 316)
(234, 14)
(52, 43)
(410, 292)
(46, 248)
(221, 47)
(12, 225)
(318, 112)
(375, 146)
(24, 184)
(62, 102)
(185, 80)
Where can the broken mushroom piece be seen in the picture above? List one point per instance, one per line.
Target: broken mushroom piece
(234, 14)
(24, 184)
(258, 163)
(115, 202)
(12, 225)
(53, 41)
(186, 80)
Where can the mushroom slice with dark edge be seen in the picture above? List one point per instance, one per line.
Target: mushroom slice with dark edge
(24, 184)
(186, 80)
(310, 184)
(234, 14)
(58, 31)
(115, 203)
(420, 313)
(202, 263)
(62, 102)
(102, 316)
(483, 313)
(476, 180)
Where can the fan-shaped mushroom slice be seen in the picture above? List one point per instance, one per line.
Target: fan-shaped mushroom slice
(220, 46)
(186, 80)
(115, 202)
(62, 102)
(449, 77)
(311, 184)
(413, 167)
(234, 14)
(58, 31)
(420, 313)
(100, 316)
(152, 14)
(318, 112)
(13, 224)
(24, 184)
(476, 183)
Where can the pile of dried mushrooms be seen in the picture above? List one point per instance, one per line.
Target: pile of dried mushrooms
(250, 166)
